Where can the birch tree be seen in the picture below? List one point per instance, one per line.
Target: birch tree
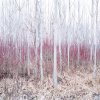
(55, 43)
(36, 37)
(95, 31)
(40, 28)
(92, 22)
(68, 48)
(78, 40)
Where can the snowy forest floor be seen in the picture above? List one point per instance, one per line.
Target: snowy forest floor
(73, 86)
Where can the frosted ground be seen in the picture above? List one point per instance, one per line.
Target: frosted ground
(73, 86)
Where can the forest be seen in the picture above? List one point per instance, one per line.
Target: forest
(49, 50)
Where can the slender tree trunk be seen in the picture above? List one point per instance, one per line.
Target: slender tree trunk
(78, 58)
(68, 48)
(60, 54)
(28, 60)
(36, 39)
(92, 23)
(55, 62)
(68, 52)
(95, 17)
(95, 36)
(55, 42)
(41, 59)
(36, 56)
(40, 28)
(91, 53)
(78, 55)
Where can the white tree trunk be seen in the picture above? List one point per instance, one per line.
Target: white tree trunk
(95, 35)
(36, 55)
(41, 59)
(60, 54)
(28, 60)
(78, 58)
(55, 62)
(78, 55)
(38, 32)
(91, 53)
(91, 50)
(68, 52)
(68, 48)
(36, 40)
(40, 28)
